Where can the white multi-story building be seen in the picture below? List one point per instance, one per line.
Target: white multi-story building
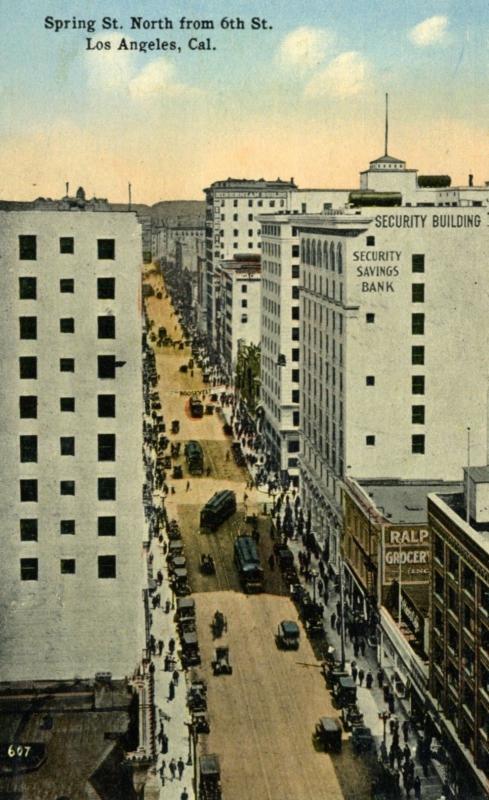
(232, 227)
(280, 324)
(241, 295)
(71, 404)
(394, 368)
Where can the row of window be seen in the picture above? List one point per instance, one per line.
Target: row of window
(259, 203)
(417, 442)
(105, 327)
(105, 442)
(28, 288)
(28, 405)
(29, 528)
(106, 366)
(417, 382)
(28, 247)
(29, 567)
(106, 489)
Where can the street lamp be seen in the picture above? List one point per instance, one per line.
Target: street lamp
(190, 726)
(384, 716)
(314, 577)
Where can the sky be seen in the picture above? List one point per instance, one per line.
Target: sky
(301, 96)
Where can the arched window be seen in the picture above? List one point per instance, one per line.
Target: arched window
(313, 253)
(325, 254)
(339, 259)
(303, 251)
(319, 255)
(331, 257)
(308, 251)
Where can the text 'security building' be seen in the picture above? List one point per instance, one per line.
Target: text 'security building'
(71, 403)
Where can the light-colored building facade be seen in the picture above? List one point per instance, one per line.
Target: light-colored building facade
(71, 440)
(241, 294)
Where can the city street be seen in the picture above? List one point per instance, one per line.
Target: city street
(262, 717)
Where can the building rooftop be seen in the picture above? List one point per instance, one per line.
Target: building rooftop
(404, 502)
(386, 159)
(252, 183)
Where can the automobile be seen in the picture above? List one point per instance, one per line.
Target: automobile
(288, 635)
(177, 472)
(345, 691)
(209, 777)
(220, 665)
(175, 426)
(328, 734)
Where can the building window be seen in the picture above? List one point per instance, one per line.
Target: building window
(370, 441)
(295, 334)
(370, 241)
(295, 312)
(106, 327)
(67, 566)
(244, 288)
(296, 251)
(66, 285)
(106, 366)
(66, 403)
(67, 365)
(295, 419)
(417, 354)
(28, 490)
(417, 263)
(453, 564)
(28, 449)
(417, 324)
(27, 248)
(67, 527)
(295, 396)
(417, 384)
(106, 405)
(106, 567)
(244, 304)
(28, 327)
(106, 446)
(417, 443)
(295, 293)
(296, 375)
(106, 248)
(468, 579)
(370, 318)
(417, 292)
(293, 446)
(295, 270)
(295, 354)
(27, 288)
(28, 569)
(106, 489)
(28, 407)
(66, 245)
(106, 526)
(67, 487)
(370, 380)
(417, 415)
(28, 367)
(28, 530)
(67, 445)
(105, 288)
(67, 325)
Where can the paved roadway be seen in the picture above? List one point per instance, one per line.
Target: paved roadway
(262, 716)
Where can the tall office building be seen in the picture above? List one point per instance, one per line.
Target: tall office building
(71, 403)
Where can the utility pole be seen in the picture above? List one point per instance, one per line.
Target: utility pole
(467, 502)
(342, 608)
(386, 123)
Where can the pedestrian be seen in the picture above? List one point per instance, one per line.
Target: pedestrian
(354, 671)
(383, 751)
(173, 768)
(184, 795)
(417, 787)
(380, 677)
(160, 646)
(369, 679)
(333, 620)
(391, 703)
(362, 646)
(361, 675)
(187, 486)
(164, 744)
(171, 691)
(175, 677)
(151, 668)
(171, 645)
(181, 767)
(271, 562)
(405, 730)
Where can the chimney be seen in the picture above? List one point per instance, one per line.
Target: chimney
(471, 180)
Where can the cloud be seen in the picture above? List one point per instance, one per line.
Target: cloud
(345, 76)
(431, 31)
(305, 47)
(117, 71)
(158, 77)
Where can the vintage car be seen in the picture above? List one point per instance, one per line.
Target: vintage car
(288, 635)
(328, 734)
